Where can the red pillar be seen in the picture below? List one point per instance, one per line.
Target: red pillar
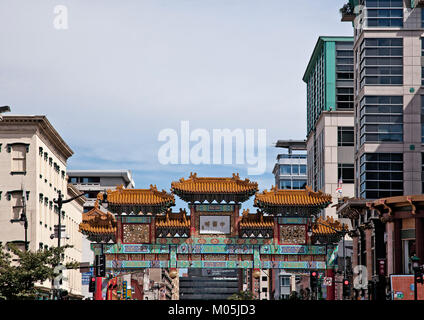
(98, 293)
(331, 290)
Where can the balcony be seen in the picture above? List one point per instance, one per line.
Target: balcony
(347, 12)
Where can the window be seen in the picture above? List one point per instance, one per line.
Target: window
(422, 17)
(345, 98)
(18, 152)
(285, 169)
(285, 184)
(381, 119)
(381, 175)
(91, 194)
(284, 281)
(422, 47)
(346, 172)
(302, 169)
(381, 61)
(422, 76)
(17, 204)
(264, 278)
(344, 75)
(384, 13)
(345, 136)
(299, 184)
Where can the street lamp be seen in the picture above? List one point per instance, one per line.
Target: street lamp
(59, 201)
(3, 110)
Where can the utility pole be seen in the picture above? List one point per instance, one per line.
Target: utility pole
(59, 201)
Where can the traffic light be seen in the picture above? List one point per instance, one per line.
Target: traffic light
(346, 288)
(101, 265)
(92, 285)
(313, 280)
(419, 275)
(63, 294)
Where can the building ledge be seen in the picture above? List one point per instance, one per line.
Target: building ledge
(13, 173)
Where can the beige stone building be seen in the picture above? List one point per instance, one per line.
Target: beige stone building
(33, 159)
(330, 158)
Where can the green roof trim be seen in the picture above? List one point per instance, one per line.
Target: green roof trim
(330, 75)
(317, 51)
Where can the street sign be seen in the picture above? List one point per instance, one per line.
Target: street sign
(86, 276)
(62, 227)
(328, 281)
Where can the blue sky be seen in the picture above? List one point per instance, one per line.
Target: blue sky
(125, 70)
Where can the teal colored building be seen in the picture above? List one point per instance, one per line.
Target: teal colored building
(329, 78)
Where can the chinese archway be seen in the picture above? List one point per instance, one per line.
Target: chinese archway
(216, 233)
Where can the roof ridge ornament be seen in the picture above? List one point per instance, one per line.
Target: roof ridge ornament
(414, 208)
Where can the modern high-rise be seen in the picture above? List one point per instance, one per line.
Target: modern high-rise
(290, 169)
(389, 97)
(91, 182)
(33, 161)
(330, 125)
(290, 173)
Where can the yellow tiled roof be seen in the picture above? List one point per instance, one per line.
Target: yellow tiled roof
(256, 220)
(213, 185)
(173, 220)
(285, 197)
(139, 196)
(327, 226)
(97, 222)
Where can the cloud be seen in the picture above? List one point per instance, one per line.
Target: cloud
(124, 71)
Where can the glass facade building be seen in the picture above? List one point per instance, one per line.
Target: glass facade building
(290, 171)
(329, 78)
(389, 79)
(381, 119)
(383, 13)
(381, 175)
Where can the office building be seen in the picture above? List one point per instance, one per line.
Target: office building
(33, 161)
(388, 53)
(330, 124)
(290, 169)
(91, 182)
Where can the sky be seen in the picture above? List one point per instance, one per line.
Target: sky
(124, 71)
